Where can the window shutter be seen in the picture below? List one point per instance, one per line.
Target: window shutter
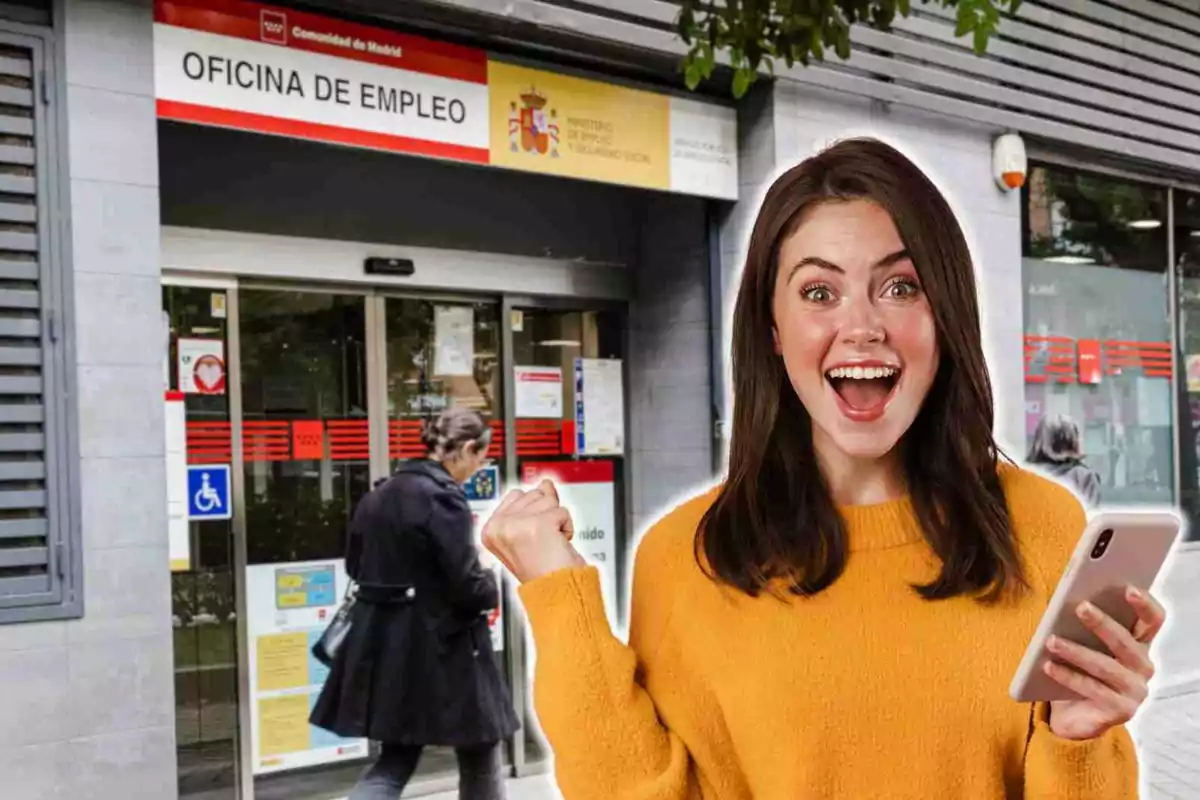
(32, 552)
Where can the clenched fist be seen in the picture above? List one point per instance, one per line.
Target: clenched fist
(531, 533)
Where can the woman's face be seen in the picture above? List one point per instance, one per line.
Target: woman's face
(854, 328)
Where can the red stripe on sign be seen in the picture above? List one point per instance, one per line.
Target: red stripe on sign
(313, 33)
(568, 471)
(261, 123)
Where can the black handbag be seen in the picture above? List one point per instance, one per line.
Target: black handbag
(326, 648)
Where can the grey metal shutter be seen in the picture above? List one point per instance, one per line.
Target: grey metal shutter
(32, 554)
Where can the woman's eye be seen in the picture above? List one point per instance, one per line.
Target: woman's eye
(817, 294)
(902, 289)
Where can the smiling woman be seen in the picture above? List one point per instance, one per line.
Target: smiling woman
(842, 615)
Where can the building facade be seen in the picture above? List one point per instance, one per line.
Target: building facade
(226, 306)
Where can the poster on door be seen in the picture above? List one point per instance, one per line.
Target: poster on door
(587, 490)
(539, 392)
(289, 606)
(599, 407)
(483, 494)
(201, 366)
(453, 341)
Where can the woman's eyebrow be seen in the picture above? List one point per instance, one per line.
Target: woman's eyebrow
(817, 261)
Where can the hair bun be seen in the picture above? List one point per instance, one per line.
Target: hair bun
(430, 435)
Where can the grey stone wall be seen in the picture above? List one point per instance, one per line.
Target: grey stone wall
(88, 711)
(670, 404)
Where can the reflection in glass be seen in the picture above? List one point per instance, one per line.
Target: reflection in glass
(555, 339)
(306, 449)
(305, 421)
(440, 355)
(1187, 260)
(1097, 337)
(202, 596)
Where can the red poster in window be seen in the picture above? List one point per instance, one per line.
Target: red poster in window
(308, 440)
(1088, 353)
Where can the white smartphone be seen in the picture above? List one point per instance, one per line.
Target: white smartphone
(1117, 550)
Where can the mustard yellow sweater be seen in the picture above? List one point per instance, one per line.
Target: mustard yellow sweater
(863, 692)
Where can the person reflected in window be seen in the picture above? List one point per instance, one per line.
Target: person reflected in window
(842, 614)
(417, 667)
(1056, 448)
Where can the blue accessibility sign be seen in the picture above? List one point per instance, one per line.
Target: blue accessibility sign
(208, 492)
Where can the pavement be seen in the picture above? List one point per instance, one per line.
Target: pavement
(1167, 733)
(537, 787)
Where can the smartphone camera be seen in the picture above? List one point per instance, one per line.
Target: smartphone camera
(1101, 545)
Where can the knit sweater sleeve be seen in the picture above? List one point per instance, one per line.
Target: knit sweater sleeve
(589, 688)
(1103, 768)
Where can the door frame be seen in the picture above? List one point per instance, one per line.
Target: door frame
(375, 297)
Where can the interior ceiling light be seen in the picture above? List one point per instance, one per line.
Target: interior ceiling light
(1145, 224)
(1071, 259)
(560, 343)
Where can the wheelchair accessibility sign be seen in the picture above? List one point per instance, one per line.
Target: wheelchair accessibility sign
(208, 492)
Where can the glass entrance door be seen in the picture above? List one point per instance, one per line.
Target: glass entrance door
(441, 354)
(569, 408)
(203, 602)
(308, 398)
(306, 455)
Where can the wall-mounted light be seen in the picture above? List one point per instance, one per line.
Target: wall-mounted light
(560, 343)
(1145, 224)
(1009, 164)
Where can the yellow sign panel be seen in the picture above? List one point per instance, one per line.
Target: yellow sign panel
(560, 125)
(282, 661)
(283, 724)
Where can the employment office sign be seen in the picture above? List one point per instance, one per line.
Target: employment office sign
(271, 70)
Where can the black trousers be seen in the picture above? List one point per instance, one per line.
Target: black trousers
(480, 773)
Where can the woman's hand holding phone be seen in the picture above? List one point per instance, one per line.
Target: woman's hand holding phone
(1112, 687)
(530, 532)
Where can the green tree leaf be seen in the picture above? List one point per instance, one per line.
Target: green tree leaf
(741, 81)
(752, 35)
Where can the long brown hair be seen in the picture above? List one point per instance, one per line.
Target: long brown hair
(774, 517)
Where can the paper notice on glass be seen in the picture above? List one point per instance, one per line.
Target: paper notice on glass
(599, 407)
(1193, 373)
(539, 392)
(454, 340)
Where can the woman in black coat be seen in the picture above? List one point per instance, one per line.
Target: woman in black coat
(417, 666)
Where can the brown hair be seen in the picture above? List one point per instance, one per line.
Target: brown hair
(774, 517)
(449, 432)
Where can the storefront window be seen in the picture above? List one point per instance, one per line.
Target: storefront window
(1097, 332)
(203, 606)
(1187, 260)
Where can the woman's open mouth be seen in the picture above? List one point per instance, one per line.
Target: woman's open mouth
(863, 391)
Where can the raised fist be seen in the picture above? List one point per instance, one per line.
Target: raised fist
(531, 533)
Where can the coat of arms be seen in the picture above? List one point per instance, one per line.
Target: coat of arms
(531, 127)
